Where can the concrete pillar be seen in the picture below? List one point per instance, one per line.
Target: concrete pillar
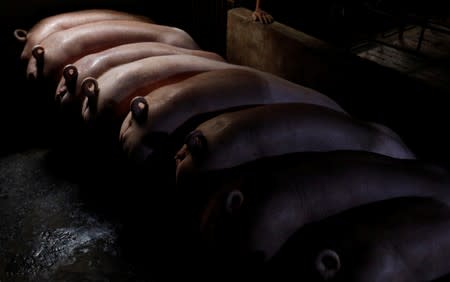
(276, 48)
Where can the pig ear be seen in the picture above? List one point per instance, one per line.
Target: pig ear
(139, 109)
(21, 35)
(90, 90)
(234, 201)
(38, 53)
(70, 73)
(196, 144)
(328, 264)
(89, 87)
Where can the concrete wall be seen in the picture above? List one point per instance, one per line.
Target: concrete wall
(276, 48)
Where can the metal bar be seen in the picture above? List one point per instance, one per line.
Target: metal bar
(439, 28)
(406, 50)
(422, 33)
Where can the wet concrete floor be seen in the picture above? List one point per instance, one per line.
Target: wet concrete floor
(45, 231)
(66, 218)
